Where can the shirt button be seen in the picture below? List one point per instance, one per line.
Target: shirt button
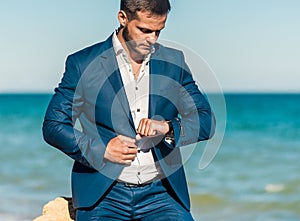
(136, 88)
(138, 110)
(139, 173)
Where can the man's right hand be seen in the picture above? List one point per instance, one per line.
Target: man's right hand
(121, 150)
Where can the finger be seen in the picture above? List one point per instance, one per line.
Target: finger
(129, 151)
(147, 128)
(141, 126)
(150, 128)
(139, 129)
(128, 157)
(127, 162)
(127, 141)
(132, 150)
(138, 137)
(129, 144)
(144, 127)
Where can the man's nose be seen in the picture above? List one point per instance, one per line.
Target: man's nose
(152, 40)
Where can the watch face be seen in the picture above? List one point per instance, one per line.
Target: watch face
(170, 134)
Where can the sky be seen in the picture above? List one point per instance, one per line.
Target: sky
(250, 45)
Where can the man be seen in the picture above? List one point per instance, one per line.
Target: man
(137, 104)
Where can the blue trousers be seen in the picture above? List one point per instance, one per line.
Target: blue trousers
(148, 203)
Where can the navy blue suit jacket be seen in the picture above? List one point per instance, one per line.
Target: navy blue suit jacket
(91, 92)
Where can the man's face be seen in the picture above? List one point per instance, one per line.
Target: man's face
(143, 31)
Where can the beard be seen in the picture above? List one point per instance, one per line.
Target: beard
(132, 45)
(126, 34)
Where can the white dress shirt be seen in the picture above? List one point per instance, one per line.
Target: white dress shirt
(143, 169)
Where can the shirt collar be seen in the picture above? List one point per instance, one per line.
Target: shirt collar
(118, 48)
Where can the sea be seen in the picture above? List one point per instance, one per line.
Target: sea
(253, 176)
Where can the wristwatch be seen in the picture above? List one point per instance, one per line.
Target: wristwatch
(171, 130)
(169, 137)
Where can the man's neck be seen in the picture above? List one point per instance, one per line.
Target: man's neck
(132, 55)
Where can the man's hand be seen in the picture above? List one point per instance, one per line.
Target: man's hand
(121, 150)
(149, 127)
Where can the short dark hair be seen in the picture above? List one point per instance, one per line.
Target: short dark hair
(156, 7)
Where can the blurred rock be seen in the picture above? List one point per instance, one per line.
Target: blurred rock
(60, 209)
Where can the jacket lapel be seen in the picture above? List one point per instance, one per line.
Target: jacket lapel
(156, 77)
(109, 63)
(153, 87)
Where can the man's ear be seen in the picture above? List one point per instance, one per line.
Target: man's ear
(122, 17)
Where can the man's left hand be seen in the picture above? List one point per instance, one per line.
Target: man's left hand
(149, 127)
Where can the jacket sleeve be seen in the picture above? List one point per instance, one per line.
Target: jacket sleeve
(62, 112)
(195, 121)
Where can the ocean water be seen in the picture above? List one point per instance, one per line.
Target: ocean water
(254, 176)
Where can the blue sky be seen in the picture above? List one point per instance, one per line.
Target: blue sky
(251, 45)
